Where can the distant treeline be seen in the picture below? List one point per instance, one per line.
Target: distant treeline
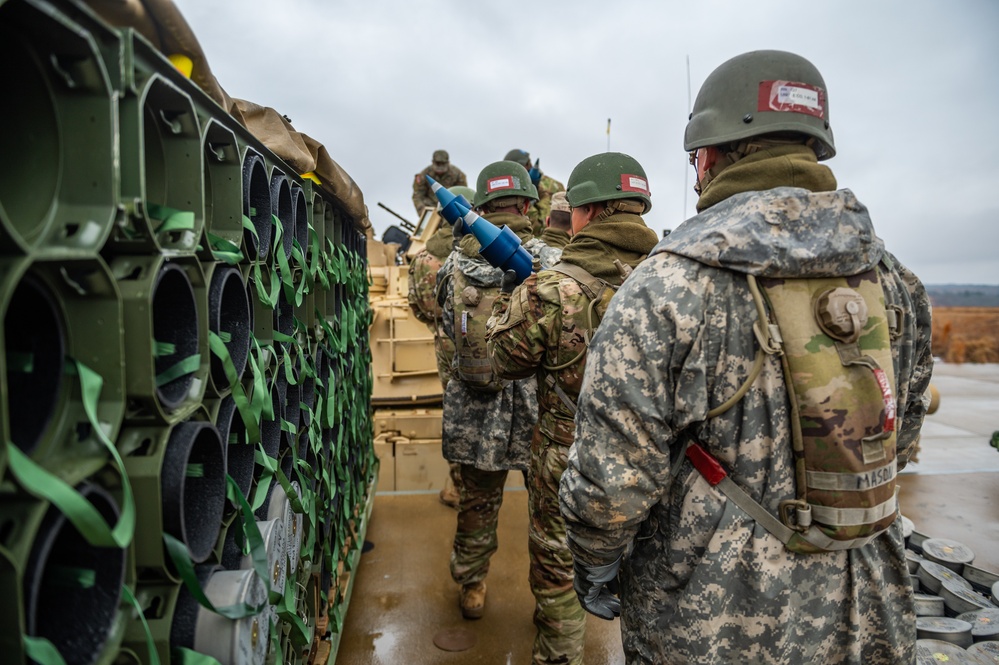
(963, 295)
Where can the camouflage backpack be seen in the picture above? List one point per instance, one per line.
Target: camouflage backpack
(833, 336)
(473, 305)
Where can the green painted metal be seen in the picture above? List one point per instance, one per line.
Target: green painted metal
(165, 301)
(58, 176)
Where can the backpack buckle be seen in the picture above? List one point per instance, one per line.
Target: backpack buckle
(796, 514)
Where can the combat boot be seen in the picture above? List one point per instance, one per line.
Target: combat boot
(473, 600)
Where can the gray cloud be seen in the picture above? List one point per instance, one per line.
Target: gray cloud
(382, 84)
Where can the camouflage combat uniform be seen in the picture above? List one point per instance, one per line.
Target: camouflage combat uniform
(487, 433)
(538, 212)
(543, 325)
(422, 296)
(701, 582)
(423, 196)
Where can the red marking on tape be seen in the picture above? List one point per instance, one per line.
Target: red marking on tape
(888, 398)
(791, 97)
(634, 183)
(707, 465)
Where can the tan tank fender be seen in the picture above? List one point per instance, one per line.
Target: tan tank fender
(934, 395)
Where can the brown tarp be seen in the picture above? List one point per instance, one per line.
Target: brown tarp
(162, 24)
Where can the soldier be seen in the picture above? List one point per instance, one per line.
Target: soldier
(441, 170)
(487, 421)
(676, 362)
(422, 301)
(558, 225)
(541, 330)
(547, 186)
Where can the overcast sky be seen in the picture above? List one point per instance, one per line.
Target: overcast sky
(913, 90)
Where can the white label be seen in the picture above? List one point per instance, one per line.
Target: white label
(500, 183)
(789, 94)
(638, 183)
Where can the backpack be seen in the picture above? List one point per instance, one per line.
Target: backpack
(599, 292)
(834, 339)
(473, 305)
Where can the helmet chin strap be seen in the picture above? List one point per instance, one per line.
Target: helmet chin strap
(620, 205)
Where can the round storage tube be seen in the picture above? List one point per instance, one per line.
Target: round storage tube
(948, 553)
(239, 455)
(935, 652)
(71, 588)
(229, 317)
(35, 351)
(984, 624)
(172, 163)
(193, 487)
(55, 312)
(281, 207)
(300, 213)
(175, 325)
(223, 183)
(167, 357)
(58, 182)
(237, 642)
(954, 631)
(257, 207)
(284, 315)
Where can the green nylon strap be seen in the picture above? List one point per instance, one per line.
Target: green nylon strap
(20, 362)
(261, 399)
(225, 250)
(251, 532)
(42, 651)
(185, 656)
(154, 658)
(186, 366)
(271, 465)
(250, 417)
(225, 336)
(46, 486)
(287, 426)
(71, 577)
(267, 298)
(306, 282)
(287, 611)
(182, 561)
(171, 219)
(195, 471)
(283, 267)
(162, 349)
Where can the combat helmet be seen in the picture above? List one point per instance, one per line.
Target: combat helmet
(459, 190)
(503, 179)
(608, 176)
(761, 92)
(522, 157)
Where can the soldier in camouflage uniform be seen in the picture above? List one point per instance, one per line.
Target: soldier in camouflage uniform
(547, 186)
(423, 303)
(441, 170)
(541, 330)
(558, 226)
(487, 429)
(700, 580)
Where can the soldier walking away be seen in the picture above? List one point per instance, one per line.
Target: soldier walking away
(547, 186)
(423, 303)
(487, 420)
(558, 225)
(684, 484)
(541, 330)
(441, 170)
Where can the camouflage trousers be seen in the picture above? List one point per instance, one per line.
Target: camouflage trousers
(478, 515)
(558, 616)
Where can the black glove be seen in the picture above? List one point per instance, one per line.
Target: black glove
(457, 232)
(596, 587)
(509, 282)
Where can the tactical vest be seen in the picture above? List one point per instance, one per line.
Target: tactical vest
(598, 292)
(473, 305)
(834, 339)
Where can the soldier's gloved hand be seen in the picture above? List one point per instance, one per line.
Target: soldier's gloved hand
(457, 232)
(509, 282)
(596, 587)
